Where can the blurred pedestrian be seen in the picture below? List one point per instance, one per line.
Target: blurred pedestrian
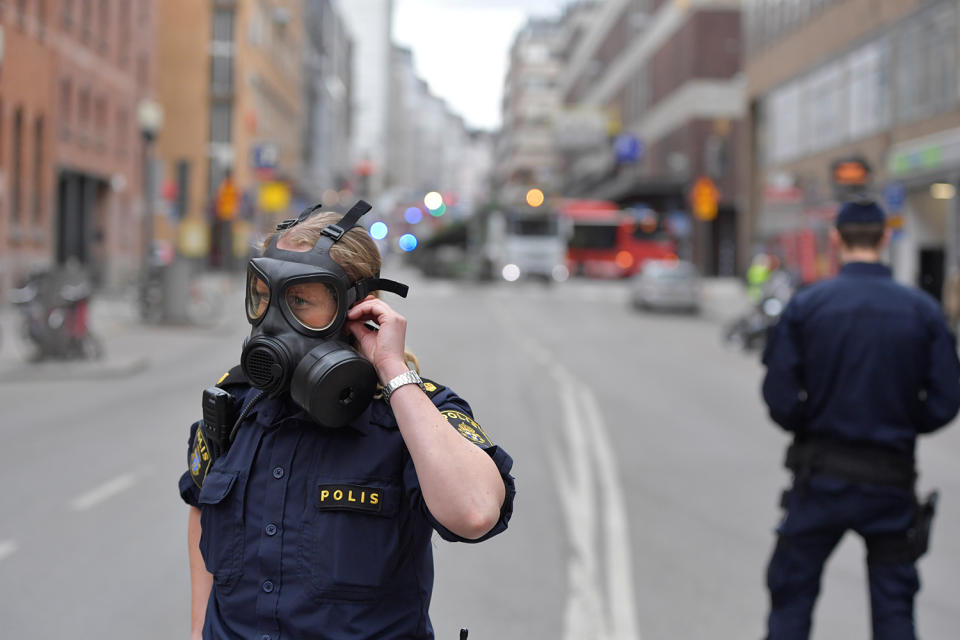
(857, 367)
(757, 275)
(313, 504)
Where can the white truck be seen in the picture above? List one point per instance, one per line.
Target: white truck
(521, 244)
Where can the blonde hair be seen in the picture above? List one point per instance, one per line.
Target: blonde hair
(355, 252)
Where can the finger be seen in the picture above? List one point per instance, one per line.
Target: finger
(375, 309)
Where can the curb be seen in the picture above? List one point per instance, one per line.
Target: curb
(67, 370)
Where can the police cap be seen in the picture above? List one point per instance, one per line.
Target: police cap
(860, 212)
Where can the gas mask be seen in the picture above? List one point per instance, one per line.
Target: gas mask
(297, 303)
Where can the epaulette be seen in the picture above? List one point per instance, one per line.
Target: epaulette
(234, 377)
(432, 388)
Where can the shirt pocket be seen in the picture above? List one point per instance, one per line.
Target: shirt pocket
(221, 519)
(349, 550)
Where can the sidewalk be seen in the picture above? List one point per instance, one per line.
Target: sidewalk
(112, 315)
(109, 317)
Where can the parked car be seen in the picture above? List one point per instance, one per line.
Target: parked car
(672, 285)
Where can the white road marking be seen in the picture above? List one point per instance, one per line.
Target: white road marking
(103, 492)
(7, 548)
(587, 478)
(619, 569)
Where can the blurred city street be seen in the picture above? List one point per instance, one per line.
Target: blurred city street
(648, 476)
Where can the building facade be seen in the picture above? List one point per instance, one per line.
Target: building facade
(881, 83)
(72, 76)
(255, 96)
(653, 100)
(328, 94)
(370, 22)
(526, 156)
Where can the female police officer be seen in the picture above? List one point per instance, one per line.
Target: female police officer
(311, 514)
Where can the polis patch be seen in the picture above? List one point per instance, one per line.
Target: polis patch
(200, 458)
(350, 497)
(467, 427)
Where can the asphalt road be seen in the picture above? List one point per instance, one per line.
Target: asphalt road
(647, 471)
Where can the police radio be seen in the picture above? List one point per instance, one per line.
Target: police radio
(216, 419)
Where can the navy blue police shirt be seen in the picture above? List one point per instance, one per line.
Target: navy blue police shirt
(323, 533)
(860, 358)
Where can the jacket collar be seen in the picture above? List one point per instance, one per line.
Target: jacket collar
(866, 269)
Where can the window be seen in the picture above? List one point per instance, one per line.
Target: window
(926, 71)
(123, 37)
(100, 116)
(104, 23)
(16, 171)
(221, 74)
(868, 72)
(223, 25)
(67, 14)
(123, 133)
(38, 159)
(85, 18)
(83, 108)
(143, 71)
(66, 106)
(22, 14)
(221, 117)
(221, 53)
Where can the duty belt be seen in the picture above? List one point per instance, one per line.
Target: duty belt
(860, 463)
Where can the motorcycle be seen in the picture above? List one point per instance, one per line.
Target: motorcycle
(749, 331)
(56, 318)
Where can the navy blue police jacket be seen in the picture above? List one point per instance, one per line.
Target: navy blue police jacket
(860, 358)
(323, 533)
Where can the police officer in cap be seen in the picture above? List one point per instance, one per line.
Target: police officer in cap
(857, 367)
(324, 463)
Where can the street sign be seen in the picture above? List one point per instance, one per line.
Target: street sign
(894, 195)
(265, 155)
(703, 199)
(628, 148)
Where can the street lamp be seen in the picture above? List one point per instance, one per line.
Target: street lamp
(150, 121)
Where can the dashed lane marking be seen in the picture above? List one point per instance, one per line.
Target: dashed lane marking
(103, 492)
(7, 548)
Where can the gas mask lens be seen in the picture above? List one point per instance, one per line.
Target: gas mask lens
(258, 296)
(312, 304)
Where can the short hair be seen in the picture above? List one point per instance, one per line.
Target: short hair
(862, 236)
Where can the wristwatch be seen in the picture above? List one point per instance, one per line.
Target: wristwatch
(410, 377)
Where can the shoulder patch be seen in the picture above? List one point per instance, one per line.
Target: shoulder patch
(233, 377)
(200, 458)
(432, 388)
(467, 427)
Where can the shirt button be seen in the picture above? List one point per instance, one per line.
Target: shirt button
(271, 529)
(268, 586)
(278, 472)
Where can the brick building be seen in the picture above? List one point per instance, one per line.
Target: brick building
(880, 82)
(70, 81)
(663, 81)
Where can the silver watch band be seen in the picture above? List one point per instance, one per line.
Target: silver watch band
(409, 377)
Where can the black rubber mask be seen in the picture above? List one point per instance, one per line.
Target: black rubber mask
(297, 302)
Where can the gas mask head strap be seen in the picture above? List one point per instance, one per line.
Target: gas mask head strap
(332, 234)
